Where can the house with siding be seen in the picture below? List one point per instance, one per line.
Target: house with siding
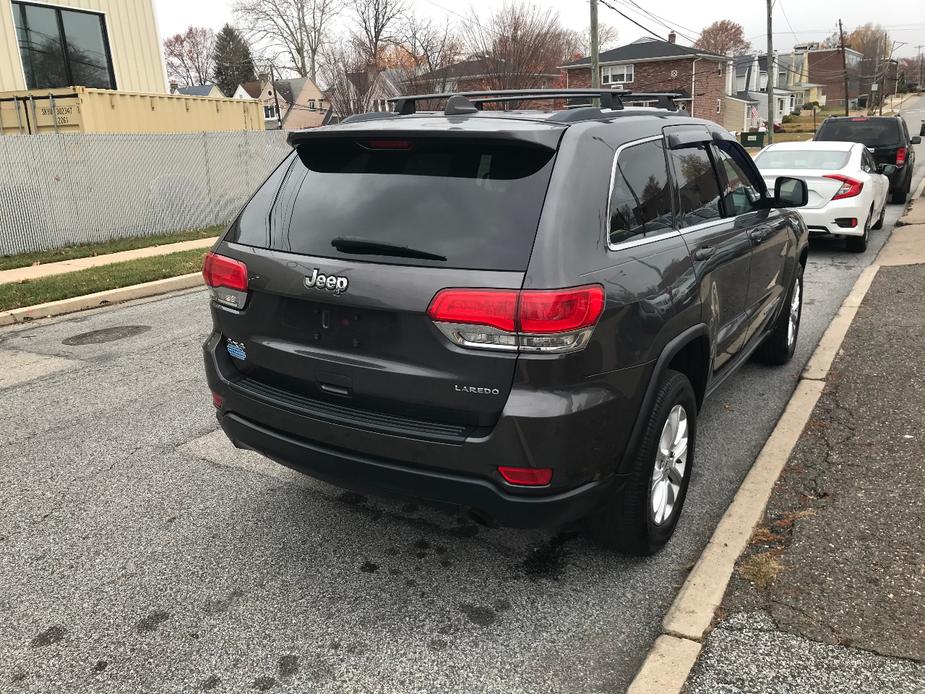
(291, 104)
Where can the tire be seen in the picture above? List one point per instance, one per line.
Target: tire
(632, 522)
(779, 346)
(858, 244)
(879, 223)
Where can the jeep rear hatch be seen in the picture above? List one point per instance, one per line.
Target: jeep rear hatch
(347, 244)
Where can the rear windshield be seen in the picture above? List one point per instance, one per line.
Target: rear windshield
(872, 132)
(450, 203)
(802, 159)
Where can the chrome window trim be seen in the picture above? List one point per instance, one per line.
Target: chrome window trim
(613, 177)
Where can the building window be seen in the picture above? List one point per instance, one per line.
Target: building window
(719, 105)
(269, 112)
(311, 105)
(63, 47)
(617, 74)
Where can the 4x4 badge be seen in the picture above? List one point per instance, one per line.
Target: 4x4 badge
(332, 283)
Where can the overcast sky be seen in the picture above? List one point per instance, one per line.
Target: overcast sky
(795, 20)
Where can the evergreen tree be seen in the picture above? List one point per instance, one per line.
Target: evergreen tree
(234, 63)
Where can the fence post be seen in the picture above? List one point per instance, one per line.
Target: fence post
(208, 166)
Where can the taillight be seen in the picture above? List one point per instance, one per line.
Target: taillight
(556, 320)
(526, 476)
(849, 186)
(226, 279)
(901, 156)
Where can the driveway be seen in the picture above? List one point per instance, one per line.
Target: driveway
(139, 552)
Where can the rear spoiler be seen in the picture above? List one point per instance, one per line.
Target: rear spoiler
(543, 134)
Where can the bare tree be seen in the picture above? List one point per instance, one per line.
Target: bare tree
(580, 41)
(871, 40)
(724, 37)
(296, 28)
(189, 56)
(427, 48)
(375, 20)
(347, 75)
(522, 46)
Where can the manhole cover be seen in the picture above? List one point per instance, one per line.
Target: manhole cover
(97, 337)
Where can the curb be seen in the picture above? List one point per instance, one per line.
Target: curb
(104, 298)
(690, 617)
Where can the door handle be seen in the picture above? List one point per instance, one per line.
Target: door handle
(760, 234)
(704, 252)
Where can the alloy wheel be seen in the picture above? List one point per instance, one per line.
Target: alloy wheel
(670, 465)
(793, 323)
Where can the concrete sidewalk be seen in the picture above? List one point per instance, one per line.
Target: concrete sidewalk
(830, 594)
(47, 269)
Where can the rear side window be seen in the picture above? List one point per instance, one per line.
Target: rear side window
(474, 203)
(640, 201)
(698, 189)
(872, 132)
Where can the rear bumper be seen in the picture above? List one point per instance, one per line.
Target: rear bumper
(581, 433)
(346, 469)
(822, 221)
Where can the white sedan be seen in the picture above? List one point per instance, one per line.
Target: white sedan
(847, 191)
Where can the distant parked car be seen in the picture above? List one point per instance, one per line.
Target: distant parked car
(847, 191)
(886, 137)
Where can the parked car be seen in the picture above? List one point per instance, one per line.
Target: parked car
(515, 312)
(886, 137)
(847, 191)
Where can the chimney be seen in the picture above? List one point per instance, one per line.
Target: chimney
(264, 77)
(173, 86)
(672, 37)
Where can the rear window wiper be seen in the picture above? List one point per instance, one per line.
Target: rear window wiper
(367, 247)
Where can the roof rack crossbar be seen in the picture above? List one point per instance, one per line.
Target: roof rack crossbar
(609, 98)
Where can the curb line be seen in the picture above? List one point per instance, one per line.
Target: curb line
(98, 299)
(690, 617)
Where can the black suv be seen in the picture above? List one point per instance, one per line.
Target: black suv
(516, 312)
(887, 137)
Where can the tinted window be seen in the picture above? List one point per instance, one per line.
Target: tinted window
(476, 203)
(62, 48)
(872, 132)
(802, 159)
(641, 199)
(738, 191)
(698, 188)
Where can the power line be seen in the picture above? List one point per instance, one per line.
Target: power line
(630, 19)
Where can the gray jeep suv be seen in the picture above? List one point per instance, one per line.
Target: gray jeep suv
(518, 312)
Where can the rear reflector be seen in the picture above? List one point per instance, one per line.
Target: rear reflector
(849, 186)
(526, 476)
(226, 278)
(217, 400)
(556, 320)
(847, 222)
(901, 156)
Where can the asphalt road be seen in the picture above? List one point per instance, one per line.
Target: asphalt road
(139, 552)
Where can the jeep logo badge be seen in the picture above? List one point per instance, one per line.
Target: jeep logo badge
(332, 283)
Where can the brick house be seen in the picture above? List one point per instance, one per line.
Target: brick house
(825, 68)
(703, 79)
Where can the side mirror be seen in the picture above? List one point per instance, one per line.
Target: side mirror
(916, 140)
(790, 192)
(887, 169)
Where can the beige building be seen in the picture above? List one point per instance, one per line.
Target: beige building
(296, 103)
(96, 66)
(102, 44)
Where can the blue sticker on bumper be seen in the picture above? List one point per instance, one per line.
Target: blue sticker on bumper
(236, 349)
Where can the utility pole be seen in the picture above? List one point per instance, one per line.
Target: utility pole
(772, 73)
(921, 71)
(844, 62)
(876, 80)
(595, 49)
(279, 116)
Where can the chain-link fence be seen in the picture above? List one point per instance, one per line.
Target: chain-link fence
(59, 190)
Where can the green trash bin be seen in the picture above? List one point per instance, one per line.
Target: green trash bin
(752, 139)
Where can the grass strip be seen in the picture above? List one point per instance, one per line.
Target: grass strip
(8, 262)
(97, 279)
